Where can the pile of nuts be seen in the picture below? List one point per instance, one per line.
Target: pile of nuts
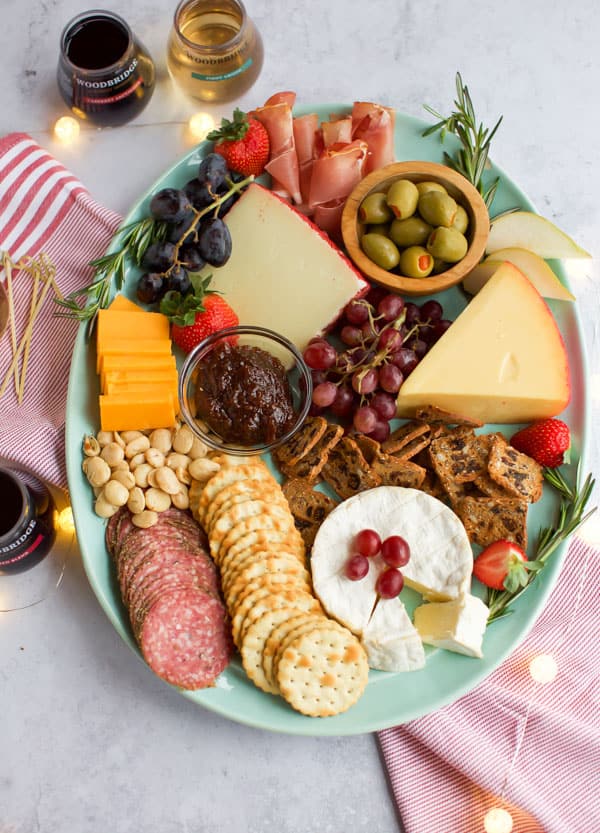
(147, 471)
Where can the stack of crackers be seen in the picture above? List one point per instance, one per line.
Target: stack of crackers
(287, 643)
(481, 477)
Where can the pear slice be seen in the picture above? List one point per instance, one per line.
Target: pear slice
(525, 230)
(531, 265)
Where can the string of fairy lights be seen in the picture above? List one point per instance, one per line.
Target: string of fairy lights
(543, 668)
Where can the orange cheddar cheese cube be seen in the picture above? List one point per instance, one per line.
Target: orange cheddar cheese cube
(120, 302)
(142, 347)
(121, 363)
(117, 324)
(130, 412)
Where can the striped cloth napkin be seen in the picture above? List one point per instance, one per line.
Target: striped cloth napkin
(44, 208)
(530, 748)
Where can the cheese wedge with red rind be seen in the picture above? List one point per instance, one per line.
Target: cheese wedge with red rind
(284, 273)
(502, 361)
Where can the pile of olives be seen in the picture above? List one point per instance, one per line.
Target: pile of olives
(416, 228)
(196, 234)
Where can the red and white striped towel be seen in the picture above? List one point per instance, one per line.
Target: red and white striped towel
(532, 749)
(44, 208)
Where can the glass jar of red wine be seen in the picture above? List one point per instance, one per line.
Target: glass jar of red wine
(27, 529)
(105, 74)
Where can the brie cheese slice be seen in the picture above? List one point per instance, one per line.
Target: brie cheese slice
(458, 625)
(390, 639)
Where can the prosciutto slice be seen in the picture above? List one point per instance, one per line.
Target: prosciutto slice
(374, 124)
(305, 137)
(276, 116)
(334, 175)
(338, 131)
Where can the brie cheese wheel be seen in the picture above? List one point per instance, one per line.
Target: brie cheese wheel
(284, 273)
(457, 626)
(441, 559)
(503, 359)
(391, 640)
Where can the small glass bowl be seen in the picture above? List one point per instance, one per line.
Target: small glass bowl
(298, 375)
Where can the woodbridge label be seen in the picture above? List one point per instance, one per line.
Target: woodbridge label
(110, 82)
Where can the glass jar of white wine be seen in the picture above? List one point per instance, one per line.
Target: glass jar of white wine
(215, 52)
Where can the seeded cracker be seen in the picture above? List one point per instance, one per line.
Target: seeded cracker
(516, 472)
(489, 519)
(309, 467)
(323, 672)
(301, 443)
(459, 459)
(347, 471)
(432, 414)
(404, 435)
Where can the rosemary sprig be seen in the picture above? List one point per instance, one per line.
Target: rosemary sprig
(83, 303)
(472, 158)
(570, 517)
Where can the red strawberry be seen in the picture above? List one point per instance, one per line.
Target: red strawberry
(546, 441)
(503, 566)
(197, 315)
(243, 142)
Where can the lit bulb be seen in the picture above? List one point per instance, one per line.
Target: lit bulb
(65, 520)
(497, 820)
(543, 668)
(66, 129)
(200, 125)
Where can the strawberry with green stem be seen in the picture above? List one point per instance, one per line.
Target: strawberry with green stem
(197, 315)
(243, 143)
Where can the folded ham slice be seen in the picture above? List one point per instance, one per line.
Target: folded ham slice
(374, 124)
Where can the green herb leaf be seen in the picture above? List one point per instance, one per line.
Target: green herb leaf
(472, 158)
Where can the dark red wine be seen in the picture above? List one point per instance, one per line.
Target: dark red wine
(104, 74)
(27, 530)
(96, 43)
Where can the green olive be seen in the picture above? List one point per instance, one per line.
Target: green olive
(380, 250)
(378, 228)
(423, 187)
(437, 209)
(374, 209)
(439, 266)
(410, 232)
(447, 244)
(461, 221)
(416, 262)
(402, 198)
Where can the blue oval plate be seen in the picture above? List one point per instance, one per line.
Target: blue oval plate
(389, 698)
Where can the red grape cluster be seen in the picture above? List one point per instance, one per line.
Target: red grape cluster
(394, 551)
(384, 338)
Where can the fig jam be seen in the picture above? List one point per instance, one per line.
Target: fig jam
(244, 395)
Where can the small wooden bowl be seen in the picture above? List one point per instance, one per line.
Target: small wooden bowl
(457, 186)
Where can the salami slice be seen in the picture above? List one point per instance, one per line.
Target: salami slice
(185, 638)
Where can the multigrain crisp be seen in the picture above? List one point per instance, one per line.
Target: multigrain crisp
(310, 465)
(460, 459)
(493, 519)
(301, 443)
(347, 471)
(432, 415)
(516, 472)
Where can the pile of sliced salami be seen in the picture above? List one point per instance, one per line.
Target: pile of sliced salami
(170, 588)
